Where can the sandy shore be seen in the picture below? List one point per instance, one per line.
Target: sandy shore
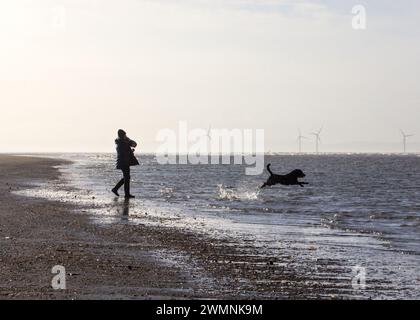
(122, 261)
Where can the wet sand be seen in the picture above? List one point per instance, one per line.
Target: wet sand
(123, 261)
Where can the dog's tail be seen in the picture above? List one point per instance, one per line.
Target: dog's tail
(268, 168)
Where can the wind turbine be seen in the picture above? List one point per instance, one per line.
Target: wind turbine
(299, 139)
(208, 135)
(317, 139)
(405, 136)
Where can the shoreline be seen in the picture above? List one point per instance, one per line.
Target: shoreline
(123, 261)
(37, 234)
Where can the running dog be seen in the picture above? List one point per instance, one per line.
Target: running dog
(287, 180)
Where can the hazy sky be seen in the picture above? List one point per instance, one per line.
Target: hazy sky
(73, 72)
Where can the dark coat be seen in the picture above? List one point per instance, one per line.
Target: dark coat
(125, 155)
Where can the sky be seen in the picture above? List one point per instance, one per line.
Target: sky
(73, 72)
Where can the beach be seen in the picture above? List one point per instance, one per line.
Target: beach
(112, 262)
(113, 249)
(38, 234)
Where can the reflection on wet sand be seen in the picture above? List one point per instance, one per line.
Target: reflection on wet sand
(123, 208)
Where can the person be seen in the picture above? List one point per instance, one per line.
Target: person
(125, 160)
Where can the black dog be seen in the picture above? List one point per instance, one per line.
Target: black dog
(288, 179)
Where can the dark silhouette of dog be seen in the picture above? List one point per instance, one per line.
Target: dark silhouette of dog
(289, 179)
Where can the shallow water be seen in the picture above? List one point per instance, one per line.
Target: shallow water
(358, 210)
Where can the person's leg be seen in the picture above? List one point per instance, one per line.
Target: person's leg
(126, 173)
(119, 185)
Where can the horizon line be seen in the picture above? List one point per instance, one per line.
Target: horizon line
(221, 154)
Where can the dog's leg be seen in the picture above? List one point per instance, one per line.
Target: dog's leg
(263, 186)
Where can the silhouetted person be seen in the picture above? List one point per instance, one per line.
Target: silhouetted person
(125, 160)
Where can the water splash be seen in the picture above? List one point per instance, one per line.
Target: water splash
(227, 193)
